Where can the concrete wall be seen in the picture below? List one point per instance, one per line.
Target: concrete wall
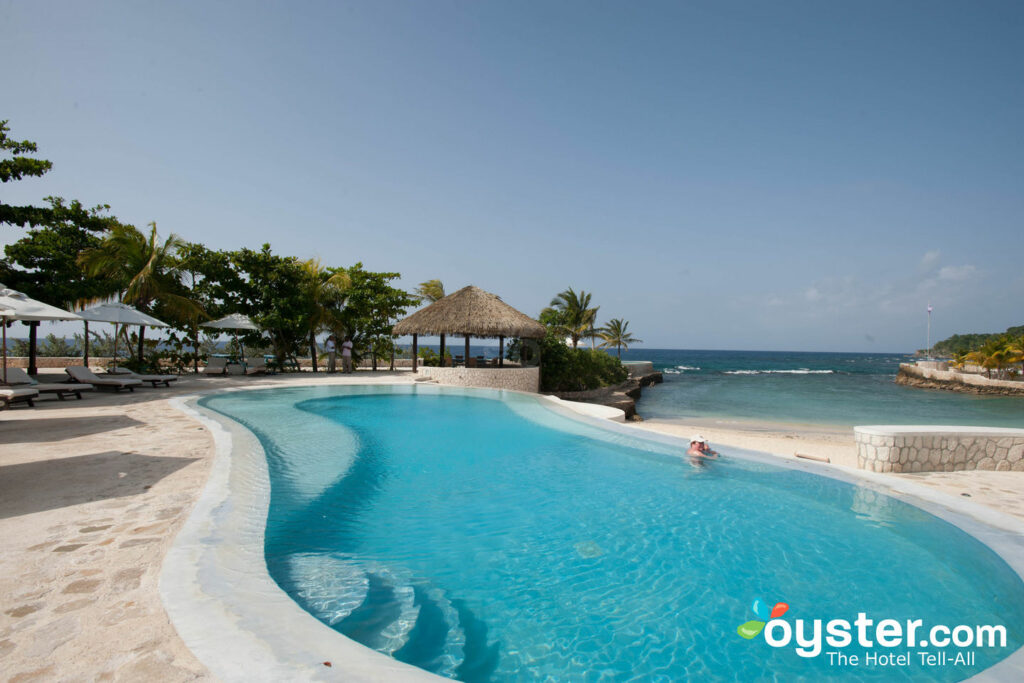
(981, 382)
(520, 379)
(933, 364)
(638, 368)
(938, 449)
(43, 362)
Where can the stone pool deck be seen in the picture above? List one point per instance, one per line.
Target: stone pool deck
(93, 492)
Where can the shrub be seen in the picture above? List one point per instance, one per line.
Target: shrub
(563, 368)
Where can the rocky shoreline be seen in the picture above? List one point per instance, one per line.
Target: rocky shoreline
(912, 376)
(622, 396)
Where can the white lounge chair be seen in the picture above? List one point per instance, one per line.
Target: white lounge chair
(11, 395)
(152, 379)
(18, 378)
(216, 365)
(80, 373)
(257, 365)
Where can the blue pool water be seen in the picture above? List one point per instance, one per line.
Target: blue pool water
(492, 540)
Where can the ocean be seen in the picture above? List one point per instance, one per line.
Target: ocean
(834, 389)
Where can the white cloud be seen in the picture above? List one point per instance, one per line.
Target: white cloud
(956, 273)
(812, 294)
(929, 258)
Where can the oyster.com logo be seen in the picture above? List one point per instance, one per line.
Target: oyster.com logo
(901, 642)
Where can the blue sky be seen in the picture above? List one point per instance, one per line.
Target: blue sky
(797, 175)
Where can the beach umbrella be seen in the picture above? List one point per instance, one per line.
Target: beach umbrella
(17, 306)
(118, 314)
(235, 321)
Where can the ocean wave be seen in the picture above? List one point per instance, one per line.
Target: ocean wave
(801, 371)
(678, 370)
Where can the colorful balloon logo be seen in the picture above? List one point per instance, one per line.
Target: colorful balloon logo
(761, 610)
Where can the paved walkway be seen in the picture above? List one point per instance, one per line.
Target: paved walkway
(92, 493)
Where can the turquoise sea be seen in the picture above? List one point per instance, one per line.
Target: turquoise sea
(840, 389)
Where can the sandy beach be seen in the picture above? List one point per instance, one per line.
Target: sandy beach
(93, 492)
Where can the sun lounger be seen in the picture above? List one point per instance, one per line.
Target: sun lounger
(11, 395)
(152, 379)
(79, 373)
(16, 377)
(216, 366)
(255, 366)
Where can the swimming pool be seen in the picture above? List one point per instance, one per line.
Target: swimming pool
(489, 539)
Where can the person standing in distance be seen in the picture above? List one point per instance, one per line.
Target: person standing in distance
(346, 355)
(332, 354)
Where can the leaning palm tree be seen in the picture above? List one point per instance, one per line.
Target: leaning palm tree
(575, 313)
(324, 294)
(616, 333)
(143, 269)
(430, 291)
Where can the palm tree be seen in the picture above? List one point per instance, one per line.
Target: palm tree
(574, 311)
(616, 333)
(324, 292)
(1015, 351)
(430, 291)
(144, 271)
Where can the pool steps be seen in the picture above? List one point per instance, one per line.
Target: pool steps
(391, 611)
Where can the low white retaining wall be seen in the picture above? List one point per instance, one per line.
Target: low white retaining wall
(519, 379)
(636, 368)
(964, 378)
(938, 449)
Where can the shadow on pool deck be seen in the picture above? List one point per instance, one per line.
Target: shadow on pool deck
(61, 428)
(31, 487)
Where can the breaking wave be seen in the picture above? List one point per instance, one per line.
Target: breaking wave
(678, 370)
(801, 371)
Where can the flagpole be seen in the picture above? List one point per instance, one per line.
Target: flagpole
(929, 330)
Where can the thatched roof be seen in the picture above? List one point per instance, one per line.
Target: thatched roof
(472, 311)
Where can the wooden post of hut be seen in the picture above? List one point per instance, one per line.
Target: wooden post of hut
(501, 351)
(467, 350)
(442, 350)
(414, 353)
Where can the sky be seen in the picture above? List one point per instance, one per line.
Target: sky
(723, 175)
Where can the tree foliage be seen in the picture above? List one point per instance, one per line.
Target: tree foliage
(17, 167)
(616, 333)
(44, 263)
(430, 291)
(965, 343)
(373, 306)
(574, 315)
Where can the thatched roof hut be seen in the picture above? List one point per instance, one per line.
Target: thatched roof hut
(471, 311)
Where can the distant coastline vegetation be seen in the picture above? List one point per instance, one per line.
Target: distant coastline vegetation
(997, 353)
(965, 343)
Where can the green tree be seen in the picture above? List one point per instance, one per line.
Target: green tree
(324, 291)
(43, 264)
(371, 310)
(430, 291)
(270, 289)
(573, 311)
(17, 167)
(616, 333)
(145, 272)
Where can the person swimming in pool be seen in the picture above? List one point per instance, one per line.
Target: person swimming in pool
(700, 451)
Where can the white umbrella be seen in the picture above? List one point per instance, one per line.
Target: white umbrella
(235, 321)
(119, 314)
(16, 306)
